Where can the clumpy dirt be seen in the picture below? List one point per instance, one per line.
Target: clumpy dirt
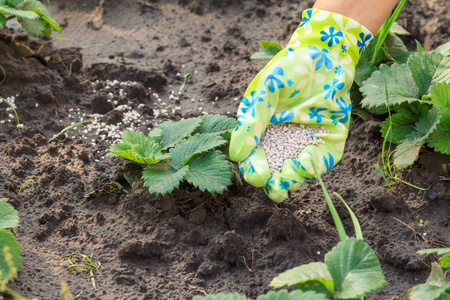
(187, 243)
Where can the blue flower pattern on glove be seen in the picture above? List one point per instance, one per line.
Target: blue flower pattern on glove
(269, 182)
(315, 113)
(240, 117)
(285, 116)
(289, 51)
(283, 186)
(329, 162)
(294, 93)
(250, 104)
(306, 18)
(324, 55)
(272, 79)
(251, 168)
(339, 70)
(362, 43)
(343, 114)
(332, 89)
(334, 36)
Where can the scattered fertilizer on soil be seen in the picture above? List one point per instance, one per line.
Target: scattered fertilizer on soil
(8, 109)
(287, 140)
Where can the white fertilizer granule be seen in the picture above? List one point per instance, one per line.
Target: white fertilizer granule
(287, 140)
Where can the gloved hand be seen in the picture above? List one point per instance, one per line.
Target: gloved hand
(308, 82)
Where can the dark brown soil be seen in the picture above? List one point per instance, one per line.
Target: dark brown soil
(187, 243)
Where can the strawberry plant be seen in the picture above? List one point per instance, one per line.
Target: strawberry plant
(31, 14)
(9, 247)
(437, 286)
(191, 150)
(419, 96)
(444, 260)
(351, 269)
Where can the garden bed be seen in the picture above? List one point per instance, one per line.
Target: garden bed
(189, 242)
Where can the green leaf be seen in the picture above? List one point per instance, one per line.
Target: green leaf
(165, 124)
(363, 70)
(221, 296)
(269, 44)
(9, 217)
(408, 150)
(13, 2)
(317, 286)
(419, 47)
(217, 124)
(36, 6)
(210, 171)
(355, 269)
(109, 188)
(444, 297)
(183, 152)
(311, 271)
(133, 137)
(294, 295)
(8, 240)
(442, 74)
(35, 27)
(18, 13)
(423, 67)
(163, 181)
(266, 53)
(52, 23)
(268, 50)
(40, 9)
(436, 285)
(398, 29)
(403, 121)
(437, 277)
(440, 138)
(139, 148)
(395, 47)
(155, 134)
(438, 251)
(440, 95)
(443, 49)
(174, 133)
(401, 87)
(134, 179)
(2, 21)
(445, 261)
(150, 152)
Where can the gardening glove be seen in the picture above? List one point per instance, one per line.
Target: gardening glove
(308, 82)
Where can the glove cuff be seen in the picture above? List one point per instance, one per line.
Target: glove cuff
(339, 35)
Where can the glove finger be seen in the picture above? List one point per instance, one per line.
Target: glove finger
(255, 168)
(324, 156)
(276, 188)
(290, 175)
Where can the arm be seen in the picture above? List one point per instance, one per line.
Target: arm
(369, 13)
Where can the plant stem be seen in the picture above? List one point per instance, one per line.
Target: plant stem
(386, 28)
(16, 295)
(358, 231)
(68, 127)
(15, 112)
(337, 220)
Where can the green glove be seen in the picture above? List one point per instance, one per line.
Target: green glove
(308, 82)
